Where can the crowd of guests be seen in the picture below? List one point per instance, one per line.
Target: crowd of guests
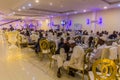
(71, 45)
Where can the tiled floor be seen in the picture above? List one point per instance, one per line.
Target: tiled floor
(26, 65)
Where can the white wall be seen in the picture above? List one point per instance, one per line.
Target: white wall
(81, 19)
(111, 20)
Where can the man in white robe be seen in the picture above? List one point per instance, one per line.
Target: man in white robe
(60, 58)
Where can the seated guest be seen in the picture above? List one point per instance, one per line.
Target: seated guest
(90, 41)
(37, 46)
(85, 32)
(106, 33)
(113, 36)
(76, 61)
(97, 33)
(28, 33)
(60, 58)
(60, 45)
(33, 37)
(67, 47)
(68, 35)
(95, 55)
(59, 34)
(103, 37)
(91, 33)
(11, 28)
(100, 41)
(46, 35)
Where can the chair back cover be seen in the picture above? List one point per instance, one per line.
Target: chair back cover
(77, 58)
(105, 52)
(113, 53)
(119, 52)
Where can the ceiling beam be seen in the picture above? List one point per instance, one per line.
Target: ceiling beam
(27, 15)
(50, 11)
(34, 12)
(10, 22)
(111, 3)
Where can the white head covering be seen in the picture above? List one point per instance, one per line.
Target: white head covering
(78, 51)
(62, 50)
(114, 44)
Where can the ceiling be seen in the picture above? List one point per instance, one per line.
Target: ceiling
(43, 8)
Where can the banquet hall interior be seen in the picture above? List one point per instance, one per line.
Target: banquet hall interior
(59, 39)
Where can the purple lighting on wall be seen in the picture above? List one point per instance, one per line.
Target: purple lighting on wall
(31, 25)
(51, 24)
(63, 22)
(100, 20)
(70, 22)
(66, 23)
(88, 21)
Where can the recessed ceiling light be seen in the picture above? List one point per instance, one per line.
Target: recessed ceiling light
(51, 3)
(67, 13)
(19, 9)
(75, 12)
(84, 10)
(22, 17)
(37, 1)
(13, 12)
(29, 5)
(118, 5)
(23, 7)
(105, 7)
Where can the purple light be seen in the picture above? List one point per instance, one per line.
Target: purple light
(88, 21)
(118, 5)
(51, 16)
(31, 25)
(75, 12)
(105, 7)
(100, 20)
(29, 5)
(67, 13)
(84, 10)
(63, 22)
(51, 24)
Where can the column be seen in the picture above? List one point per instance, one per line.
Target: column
(93, 24)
